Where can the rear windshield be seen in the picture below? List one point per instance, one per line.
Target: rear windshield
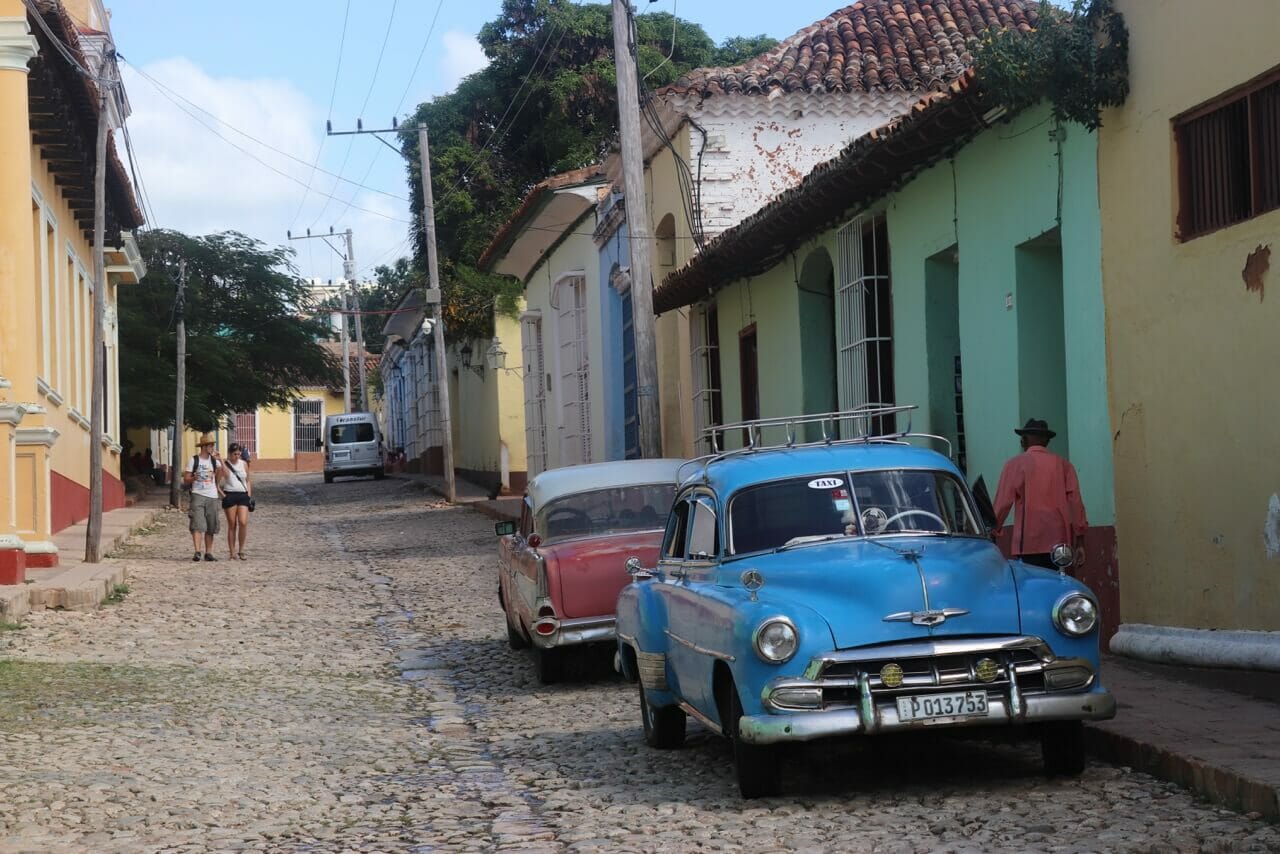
(870, 504)
(606, 511)
(342, 434)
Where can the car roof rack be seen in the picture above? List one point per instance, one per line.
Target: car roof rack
(872, 423)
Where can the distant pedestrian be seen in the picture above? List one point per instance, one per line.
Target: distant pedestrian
(237, 500)
(203, 474)
(1043, 491)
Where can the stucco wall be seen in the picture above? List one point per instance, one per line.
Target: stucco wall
(1005, 195)
(1192, 352)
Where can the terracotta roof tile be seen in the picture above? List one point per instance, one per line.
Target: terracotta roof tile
(870, 46)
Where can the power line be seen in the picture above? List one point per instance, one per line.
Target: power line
(172, 93)
(333, 92)
(264, 163)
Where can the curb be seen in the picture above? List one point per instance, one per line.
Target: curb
(1220, 785)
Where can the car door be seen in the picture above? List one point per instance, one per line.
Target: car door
(700, 620)
(519, 565)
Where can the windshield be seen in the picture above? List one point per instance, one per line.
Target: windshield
(873, 503)
(606, 511)
(342, 434)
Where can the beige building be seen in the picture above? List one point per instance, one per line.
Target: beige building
(48, 123)
(1189, 178)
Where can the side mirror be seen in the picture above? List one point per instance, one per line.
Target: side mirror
(504, 529)
(636, 571)
(1062, 556)
(319, 442)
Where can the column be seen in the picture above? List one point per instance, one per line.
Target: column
(17, 273)
(35, 512)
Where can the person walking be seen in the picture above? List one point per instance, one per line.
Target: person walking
(1044, 491)
(237, 500)
(204, 474)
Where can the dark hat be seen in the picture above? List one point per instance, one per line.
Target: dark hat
(1035, 427)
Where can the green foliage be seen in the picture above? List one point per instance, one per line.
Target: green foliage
(1077, 61)
(117, 594)
(739, 49)
(248, 343)
(551, 91)
(379, 297)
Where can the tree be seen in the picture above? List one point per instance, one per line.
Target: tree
(738, 49)
(379, 297)
(546, 103)
(250, 342)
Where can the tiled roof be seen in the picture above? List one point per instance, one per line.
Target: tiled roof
(530, 204)
(870, 46)
(868, 168)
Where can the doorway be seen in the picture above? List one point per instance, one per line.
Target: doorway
(749, 371)
(942, 333)
(1042, 358)
(817, 336)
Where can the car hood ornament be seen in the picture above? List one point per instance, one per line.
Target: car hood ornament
(753, 580)
(929, 618)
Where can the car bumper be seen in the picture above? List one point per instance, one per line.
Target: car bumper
(576, 632)
(883, 718)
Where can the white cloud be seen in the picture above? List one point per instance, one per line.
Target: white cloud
(462, 56)
(199, 183)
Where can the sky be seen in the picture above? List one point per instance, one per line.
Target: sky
(229, 103)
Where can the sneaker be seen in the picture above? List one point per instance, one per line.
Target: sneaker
(209, 556)
(197, 557)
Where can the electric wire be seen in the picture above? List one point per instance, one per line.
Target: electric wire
(171, 93)
(333, 92)
(264, 163)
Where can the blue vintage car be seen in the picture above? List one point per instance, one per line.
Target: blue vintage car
(849, 588)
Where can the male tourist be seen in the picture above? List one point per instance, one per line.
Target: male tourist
(1044, 491)
(203, 473)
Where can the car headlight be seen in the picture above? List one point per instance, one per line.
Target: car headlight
(1075, 614)
(776, 640)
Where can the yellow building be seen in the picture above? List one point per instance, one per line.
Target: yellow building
(48, 123)
(1189, 187)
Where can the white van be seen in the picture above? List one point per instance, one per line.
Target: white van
(352, 446)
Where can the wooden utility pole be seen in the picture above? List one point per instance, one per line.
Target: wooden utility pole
(98, 395)
(346, 352)
(437, 325)
(349, 272)
(179, 415)
(638, 230)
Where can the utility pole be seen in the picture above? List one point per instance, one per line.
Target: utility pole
(432, 295)
(638, 229)
(349, 271)
(179, 416)
(98, 395)
(346, 352)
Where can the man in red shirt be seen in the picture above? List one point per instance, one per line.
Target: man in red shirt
(1045, 491)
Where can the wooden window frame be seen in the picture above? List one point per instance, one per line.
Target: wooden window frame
(1244, 92)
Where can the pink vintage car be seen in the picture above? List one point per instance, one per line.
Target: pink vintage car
(561, 566)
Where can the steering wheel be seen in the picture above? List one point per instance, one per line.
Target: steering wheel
(579, 517)
(895, 517)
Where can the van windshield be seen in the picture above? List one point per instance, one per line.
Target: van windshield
(342, 434)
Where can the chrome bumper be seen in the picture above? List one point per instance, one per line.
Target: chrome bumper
(883, 717)
(577, 631)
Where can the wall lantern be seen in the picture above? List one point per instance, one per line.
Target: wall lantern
(496, 356)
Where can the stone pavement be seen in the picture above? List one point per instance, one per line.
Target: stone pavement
(504, 509)
(349, 688)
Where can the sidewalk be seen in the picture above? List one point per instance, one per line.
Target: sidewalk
(506, 509)
(73, 584)
(1214, 732)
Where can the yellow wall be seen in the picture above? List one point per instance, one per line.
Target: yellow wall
(488, 406)
(1192, 354)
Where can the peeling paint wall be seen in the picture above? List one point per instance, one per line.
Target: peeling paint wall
(1192, 343)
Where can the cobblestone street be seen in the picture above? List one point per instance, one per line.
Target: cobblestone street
(350, 688)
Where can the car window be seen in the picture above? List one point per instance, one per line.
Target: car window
(605, 511)
(874, 503)
(342, 434)
(526, 519)
(677, 526)
(703, 540)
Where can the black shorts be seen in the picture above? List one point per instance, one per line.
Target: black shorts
(235, 499)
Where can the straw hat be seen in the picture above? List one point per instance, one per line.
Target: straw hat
(207, 439)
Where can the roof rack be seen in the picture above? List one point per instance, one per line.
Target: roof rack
(867, 424)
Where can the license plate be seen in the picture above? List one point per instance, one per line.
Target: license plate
(926, 707)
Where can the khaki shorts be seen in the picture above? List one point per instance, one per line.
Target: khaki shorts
(205, 513)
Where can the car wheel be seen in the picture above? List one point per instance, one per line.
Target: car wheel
(1062, 746)
(515, 639)
(663, 727)
(328, 478)
(757, 765)
(548, 665)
